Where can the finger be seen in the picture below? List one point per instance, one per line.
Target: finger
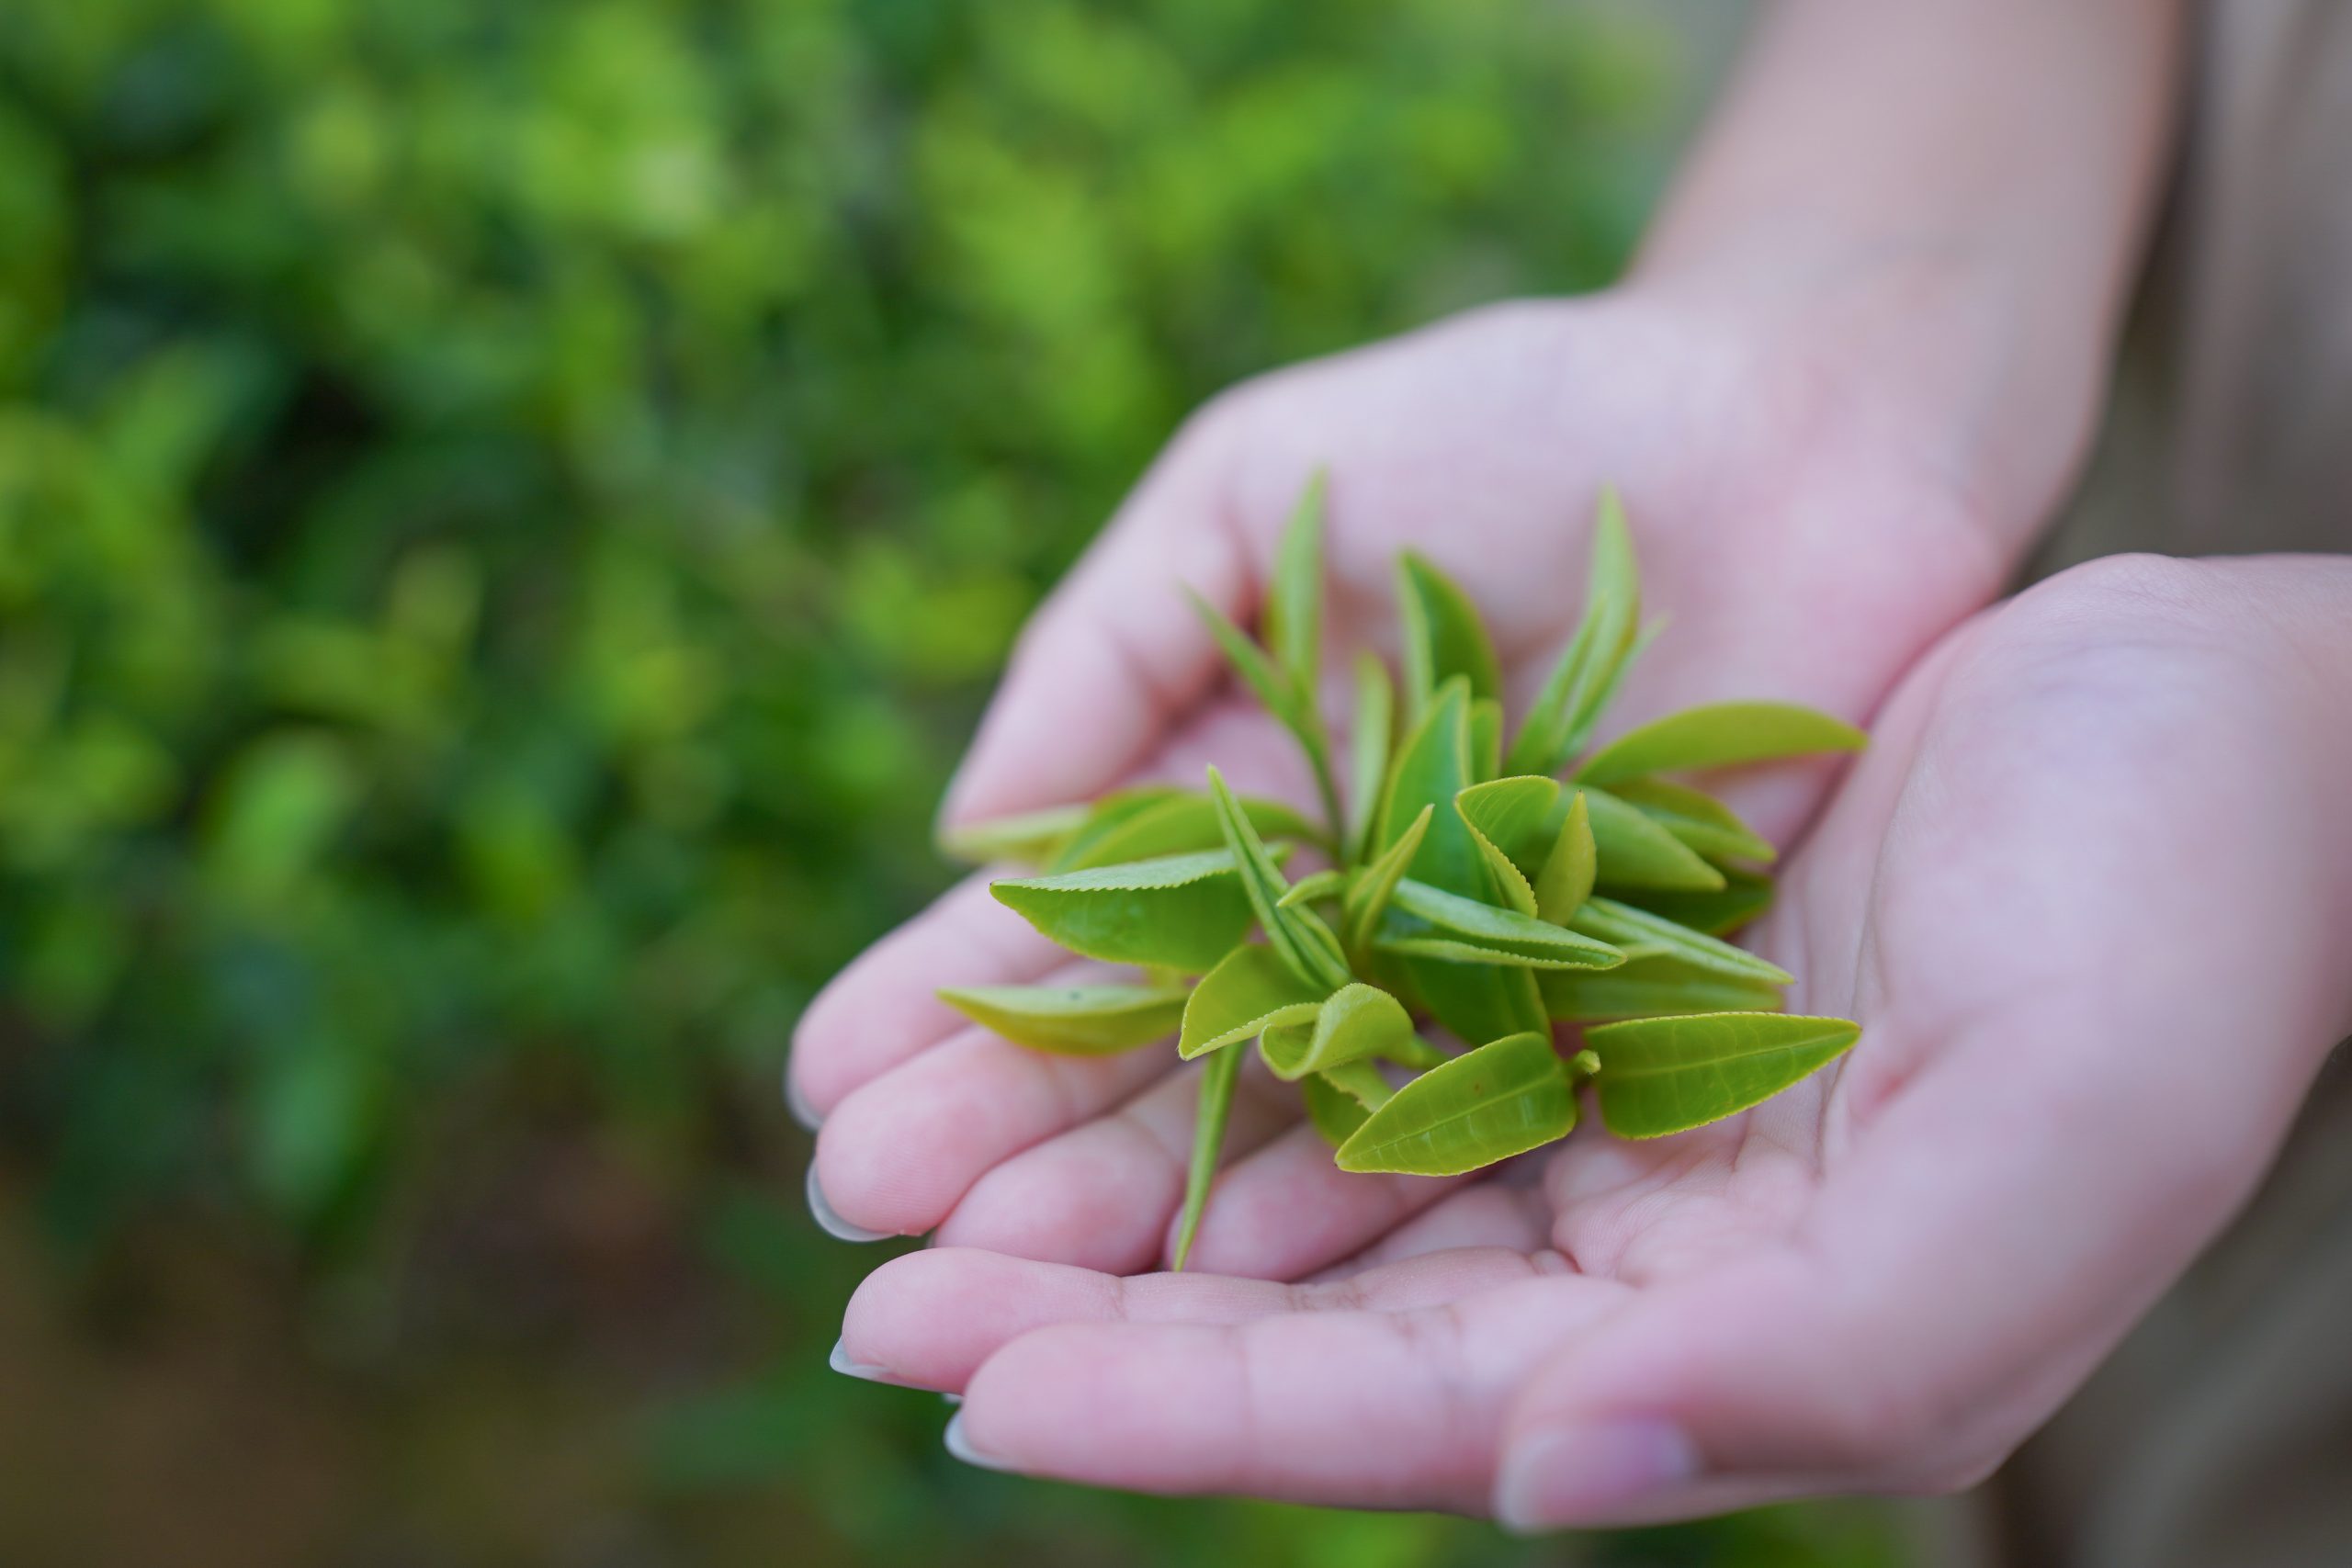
(930, 1318)
(1104, 1194)
(1116, 656)
(1485, 1214)
(897, 1155)
(2027, 1144)
(884, 1008)
(1287, 1210)
(1365, 1408)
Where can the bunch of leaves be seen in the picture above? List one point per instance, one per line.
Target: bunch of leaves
(1495, 892)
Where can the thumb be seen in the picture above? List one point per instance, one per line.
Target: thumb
(1984, 1245)
(1115, 656)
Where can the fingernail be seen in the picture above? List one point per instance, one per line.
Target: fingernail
(1585, 1473)
(829, 1223)
(798, 1103)
(961, 1446)
(838, 1361)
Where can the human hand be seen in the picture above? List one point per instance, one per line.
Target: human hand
(2087, 894)
(1794, 520)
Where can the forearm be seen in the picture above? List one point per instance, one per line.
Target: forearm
(1953, 191)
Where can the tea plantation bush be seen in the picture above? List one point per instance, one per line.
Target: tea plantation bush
(507, 512)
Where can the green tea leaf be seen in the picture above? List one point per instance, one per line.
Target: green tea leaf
(1290, 703)
(1744, 897)
(1251, 991)
(1072, 1020)
(1303, 942)
(1368, 746)
(1667, 1075)
(1565, 881)
(1719, 735)
(1307, 890)
(1637, 851)
(1443, 637)
(1029, 838)
(1217, 1079)
(1596, 658)
(1642, 934)
(1486, 1105)
(1423, 920)
(1173, 822)
(1468, 918)
(1109, 812)
(1334, 1112)
(1267, 680)
(1514, 815)
(1474, 1001)
(1356, 1023)
(1294, 605)
(1431, 769)
(1696, 818)
(1652, 987)
(1182, 912)
(1361, 1082)
(1369, 889)
(1517, 893)
(1485, 739)
(1284, 1040)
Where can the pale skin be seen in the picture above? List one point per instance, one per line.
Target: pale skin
(1850, 375)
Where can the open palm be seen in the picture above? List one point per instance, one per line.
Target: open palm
(1883, 1279)
(1795, 536)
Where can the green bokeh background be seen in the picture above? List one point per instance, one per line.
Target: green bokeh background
(507, 512)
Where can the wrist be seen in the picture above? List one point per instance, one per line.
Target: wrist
(1928, 353)
(1941, 204)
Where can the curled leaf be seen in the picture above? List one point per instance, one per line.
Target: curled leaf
(1360, 1081)
(1486, 1105)
(1567, 879)
(1356, 1023)
(1251, 991)
(1072, 1020)
(1334, 1112)
(1666, 1075)
(1508, 812)
(1514, 815)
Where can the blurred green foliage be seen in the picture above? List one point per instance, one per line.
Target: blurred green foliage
(506, 515)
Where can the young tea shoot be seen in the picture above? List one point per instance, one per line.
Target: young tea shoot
(1496, 891)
